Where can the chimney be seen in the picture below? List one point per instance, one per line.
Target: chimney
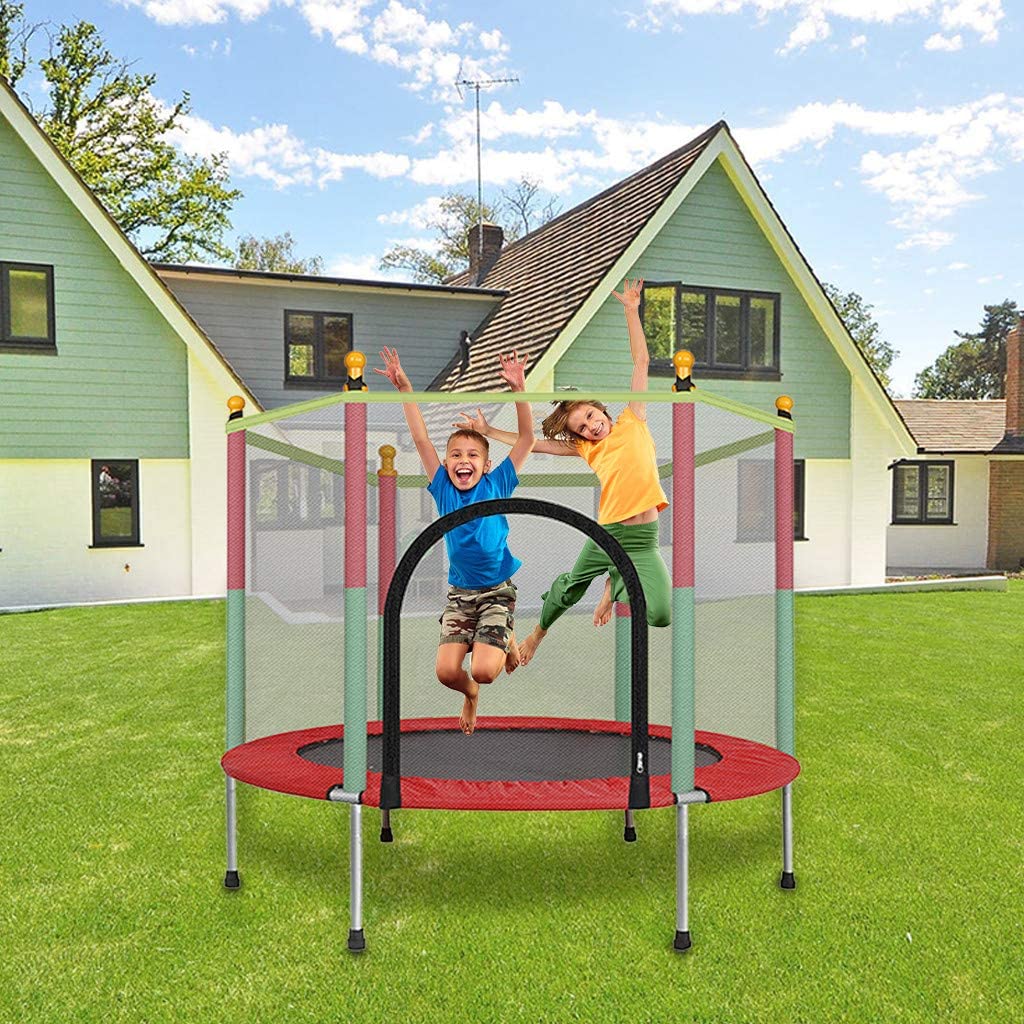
(1015, 381)
(493, 239)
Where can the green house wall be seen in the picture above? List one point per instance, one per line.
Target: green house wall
(713, 240)
(118, 386)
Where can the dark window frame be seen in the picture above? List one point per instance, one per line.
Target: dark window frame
(922, 518)
(319, 380)
(17, 343)
(799, 499)
(98, 540)
(710, 368)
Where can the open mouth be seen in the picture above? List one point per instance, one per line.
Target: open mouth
(463, 475)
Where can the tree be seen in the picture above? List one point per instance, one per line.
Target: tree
(860, 322)
(975, 366)
(457, 213)
(275, 256)
(106, 122)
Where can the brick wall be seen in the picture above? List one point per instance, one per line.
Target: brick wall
(1006, 514)
(1014, 375)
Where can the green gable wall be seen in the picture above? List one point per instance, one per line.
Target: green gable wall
(118, 386)
(713, 240)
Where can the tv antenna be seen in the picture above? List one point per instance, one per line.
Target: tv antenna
(477, 85)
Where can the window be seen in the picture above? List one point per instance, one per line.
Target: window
(730, 333)
(291, 496)
(922, 493)
(315, 345)
(26, 308)
(115, 503)
(798, 499)
(755, 512)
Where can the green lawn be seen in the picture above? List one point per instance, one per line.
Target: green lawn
(909, 851)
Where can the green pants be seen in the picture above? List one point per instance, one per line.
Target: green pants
(641, 544)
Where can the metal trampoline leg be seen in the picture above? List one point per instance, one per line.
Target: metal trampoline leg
(682, 942)
(629, 832)
(386, 835)
(788, 881)
(356, 939)
(231, 879)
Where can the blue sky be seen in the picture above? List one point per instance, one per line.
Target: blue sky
(889, 134)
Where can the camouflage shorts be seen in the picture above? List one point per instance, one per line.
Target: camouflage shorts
(479, 616)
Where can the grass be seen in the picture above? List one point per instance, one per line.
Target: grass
(908, 851)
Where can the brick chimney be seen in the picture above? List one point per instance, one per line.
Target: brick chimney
(493, 239)
(1015, 381)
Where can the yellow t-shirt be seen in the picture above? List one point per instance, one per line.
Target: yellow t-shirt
(626, 465)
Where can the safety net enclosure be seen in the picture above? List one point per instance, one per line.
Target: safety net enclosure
(336, 556)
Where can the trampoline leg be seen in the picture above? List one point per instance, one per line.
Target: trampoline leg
(231, 879)
(386, 835)
(356, 939)
(682, 942)
(787, 881)
(629, 833)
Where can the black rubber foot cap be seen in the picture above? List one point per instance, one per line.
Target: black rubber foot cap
(787, 881)
(629, 834)
(356, 940)
(682, 943)
(231, 880)
(386, 835)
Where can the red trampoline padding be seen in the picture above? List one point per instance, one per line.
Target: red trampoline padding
(746, 769)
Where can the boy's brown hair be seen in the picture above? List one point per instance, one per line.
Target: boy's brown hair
(473, 435)
(556, 424)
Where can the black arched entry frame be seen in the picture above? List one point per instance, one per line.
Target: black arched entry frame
(639, 785)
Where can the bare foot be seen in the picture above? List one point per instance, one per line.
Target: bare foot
(512, 657)
(528, 648)
(467, 720)
(603, 611)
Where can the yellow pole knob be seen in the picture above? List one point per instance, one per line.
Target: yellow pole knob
(683, 362)
(784, 404)
(236, 403)
(387, 455)
(354, 361)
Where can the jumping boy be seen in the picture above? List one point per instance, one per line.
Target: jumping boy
(481, 597)
(622, 455)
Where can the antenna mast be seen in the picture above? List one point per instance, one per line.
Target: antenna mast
(477, 86)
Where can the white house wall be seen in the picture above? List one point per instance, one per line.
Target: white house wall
(964, 545)
(823, 559)
(871, 448)
(46, 535)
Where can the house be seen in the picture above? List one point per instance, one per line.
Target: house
(959, 504)
(123, 391)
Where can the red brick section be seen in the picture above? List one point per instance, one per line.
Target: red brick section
(494, 238)
(1006, 475)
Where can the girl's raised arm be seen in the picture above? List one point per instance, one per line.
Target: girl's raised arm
(630, 299)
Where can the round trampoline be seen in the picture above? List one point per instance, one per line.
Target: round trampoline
(510, 764)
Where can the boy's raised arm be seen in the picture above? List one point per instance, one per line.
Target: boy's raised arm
(513, 372)
(630, 299)
(541, 445)
(417, 428)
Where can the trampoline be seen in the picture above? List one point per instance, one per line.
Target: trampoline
(510, 764)
(299, 640)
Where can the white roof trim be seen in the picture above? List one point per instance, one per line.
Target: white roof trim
(82, 198)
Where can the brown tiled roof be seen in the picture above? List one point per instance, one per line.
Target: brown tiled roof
(550, 272)
(946, 425)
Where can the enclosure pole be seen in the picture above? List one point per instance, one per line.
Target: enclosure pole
(235, 621)
(355, 580)
(387, 550)
(784, 619)
(682, 940)
(622, 662)
(684, 651)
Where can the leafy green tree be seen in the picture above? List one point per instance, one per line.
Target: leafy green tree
(105, 120)
(857, 315)
(516, 211)
(974, 366)
(275, 255)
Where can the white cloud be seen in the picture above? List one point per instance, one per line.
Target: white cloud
(957, 266)
(419, 216)
(948, 43)
(814, 17)
(858, 42)
(991, 278)
(200, 12)
(927, 240)
(361, 266)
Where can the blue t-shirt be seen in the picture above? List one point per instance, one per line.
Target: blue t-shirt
(478, 552)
